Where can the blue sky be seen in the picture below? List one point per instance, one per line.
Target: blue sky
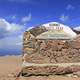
(16, 16)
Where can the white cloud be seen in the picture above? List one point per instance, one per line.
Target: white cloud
(77, 28)
(13, 17)
(29, 28)
(9, 29)
(16, 27)
(10, 35)
(70, 7)
(64, 18)
(26, 18)
(4, 25)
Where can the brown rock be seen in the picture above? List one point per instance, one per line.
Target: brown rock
(75, 45)
(29, 51)
(51, 51)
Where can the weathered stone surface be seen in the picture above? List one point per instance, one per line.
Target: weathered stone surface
(29, 51)
(49, 51)
(74, 44)
(51, 69)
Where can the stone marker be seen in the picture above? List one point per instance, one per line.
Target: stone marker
(51, 48)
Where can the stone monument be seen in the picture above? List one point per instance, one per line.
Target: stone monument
(51, 48)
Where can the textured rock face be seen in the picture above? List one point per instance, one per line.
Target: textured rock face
(51, 69)
(50, 51)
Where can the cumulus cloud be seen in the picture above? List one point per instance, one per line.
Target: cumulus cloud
(9, 29)
(10, 35)
(70, 7)
(64, 18)
(26, 18)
